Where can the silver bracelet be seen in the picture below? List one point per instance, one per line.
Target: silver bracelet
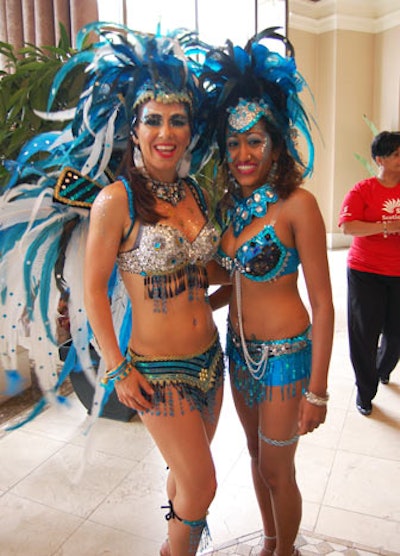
(316, 400)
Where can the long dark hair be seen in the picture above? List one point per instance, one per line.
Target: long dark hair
(143, 199)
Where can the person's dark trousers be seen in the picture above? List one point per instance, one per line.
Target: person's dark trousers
(373, 310)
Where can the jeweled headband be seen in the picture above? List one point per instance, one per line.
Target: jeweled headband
(246, 114)
(160, 92)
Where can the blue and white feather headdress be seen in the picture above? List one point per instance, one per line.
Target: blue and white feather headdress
(44, 209)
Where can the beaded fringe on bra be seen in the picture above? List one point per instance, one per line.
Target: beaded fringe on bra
(161, 287)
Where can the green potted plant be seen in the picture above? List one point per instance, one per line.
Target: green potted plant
(25, 83)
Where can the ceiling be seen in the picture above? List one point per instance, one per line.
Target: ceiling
(359, 8)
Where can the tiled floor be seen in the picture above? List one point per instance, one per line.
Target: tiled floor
(348, 471)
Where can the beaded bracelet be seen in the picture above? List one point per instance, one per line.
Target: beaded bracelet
(316, 400)
(119, 372)
(385, 230)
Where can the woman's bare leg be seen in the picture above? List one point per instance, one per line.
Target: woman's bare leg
(184, 441)
(277, 447)
(249, 418)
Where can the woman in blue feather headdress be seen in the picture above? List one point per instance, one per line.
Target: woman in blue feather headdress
(136, 135)
(270, 226)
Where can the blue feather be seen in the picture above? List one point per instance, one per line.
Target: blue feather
(37, 409)
(14, 382)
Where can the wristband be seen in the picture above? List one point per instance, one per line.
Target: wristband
(117, 373)
(316, 400)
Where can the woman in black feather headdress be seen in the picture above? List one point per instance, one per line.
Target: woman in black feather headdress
(270, 225)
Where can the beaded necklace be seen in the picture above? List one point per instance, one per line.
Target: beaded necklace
(172, 193)
(255, 205)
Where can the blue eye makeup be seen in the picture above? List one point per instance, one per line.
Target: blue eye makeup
(152, 120)
(179, 120)
(157, 120)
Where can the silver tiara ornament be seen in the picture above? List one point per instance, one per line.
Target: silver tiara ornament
(246, 114)
(161, 92)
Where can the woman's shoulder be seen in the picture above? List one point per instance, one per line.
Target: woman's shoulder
(300, 196)
(301, 208)
(111, 196)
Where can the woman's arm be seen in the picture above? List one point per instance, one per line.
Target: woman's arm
(310, 238)
(361, 229)
(108, 220)
(105, 232)
(220, 297)
(218, 275)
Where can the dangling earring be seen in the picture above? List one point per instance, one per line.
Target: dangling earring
(183, 166)
(273, 173)
(138, 158)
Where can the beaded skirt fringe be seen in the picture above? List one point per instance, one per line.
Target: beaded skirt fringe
(288, 372)
(191, 381)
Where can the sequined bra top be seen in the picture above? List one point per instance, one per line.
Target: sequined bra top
(162, 249)
(263, 258)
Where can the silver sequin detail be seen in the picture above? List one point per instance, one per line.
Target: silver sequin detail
(163, 249)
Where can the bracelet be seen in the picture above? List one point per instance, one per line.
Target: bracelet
(117, 373)
(316, 400)
(385, 230)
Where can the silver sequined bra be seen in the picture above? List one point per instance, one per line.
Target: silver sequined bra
(162, 249)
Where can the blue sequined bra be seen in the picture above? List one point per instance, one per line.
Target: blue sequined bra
(262, 258)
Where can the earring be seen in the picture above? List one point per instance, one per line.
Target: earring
(183, 166)
(138, 158)
(273, 173)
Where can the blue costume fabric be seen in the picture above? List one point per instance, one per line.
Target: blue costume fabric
(288, 364)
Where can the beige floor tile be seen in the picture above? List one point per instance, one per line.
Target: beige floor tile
(314, 466)
(340, 387)
(57, 483)
(21, 453)
(233, 513)
(134, 509)
(59, 422)
(27, 527)
(370, 532)
(92, 539)
(310, 515)
(359, 483)
(376, 435)
(120, 439)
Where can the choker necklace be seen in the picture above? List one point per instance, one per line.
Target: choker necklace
(255, 205)
(172, 193)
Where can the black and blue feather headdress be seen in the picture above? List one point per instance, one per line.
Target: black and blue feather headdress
(258, 76)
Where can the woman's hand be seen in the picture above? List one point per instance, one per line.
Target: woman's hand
(310, 416)
(130, 391)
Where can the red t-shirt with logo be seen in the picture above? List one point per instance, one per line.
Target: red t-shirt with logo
(370, 201)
